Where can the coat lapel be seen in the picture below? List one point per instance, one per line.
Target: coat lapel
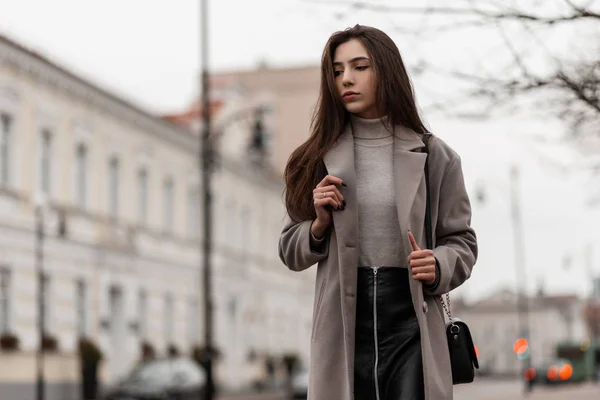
(408, 177)
(409, 187)
(339, 162)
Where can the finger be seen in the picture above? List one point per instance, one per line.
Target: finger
(325, 195)
(331, 180)
(429, 269)
(420, 254)
(413, 242)
(422, 262)
(424, 277)
(327, 201)
(329, 188)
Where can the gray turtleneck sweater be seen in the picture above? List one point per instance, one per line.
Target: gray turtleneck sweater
(380, 239)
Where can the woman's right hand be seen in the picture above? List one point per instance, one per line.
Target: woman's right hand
(326, 198)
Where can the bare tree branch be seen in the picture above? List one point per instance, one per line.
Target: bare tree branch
(508, 14)
(535, 67)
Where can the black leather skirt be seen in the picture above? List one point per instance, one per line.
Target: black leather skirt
(387, 364)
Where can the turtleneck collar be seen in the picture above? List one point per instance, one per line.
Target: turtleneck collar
(375, 128)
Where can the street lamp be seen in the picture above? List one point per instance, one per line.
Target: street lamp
(205, 156)
(40, 203)
(522, 300)
(520, 265)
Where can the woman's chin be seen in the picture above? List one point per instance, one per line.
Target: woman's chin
(355, 108)
(361, 111)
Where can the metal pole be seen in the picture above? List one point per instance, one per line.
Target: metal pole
(41, 306)
(592, 301)
(205, 155)
(519, 249)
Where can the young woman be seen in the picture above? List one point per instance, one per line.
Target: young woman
(355, 196)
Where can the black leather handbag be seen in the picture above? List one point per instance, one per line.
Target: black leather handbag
(463, 357)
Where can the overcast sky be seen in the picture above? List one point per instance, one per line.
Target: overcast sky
(148, 51)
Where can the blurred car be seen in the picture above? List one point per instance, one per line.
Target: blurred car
(162, 379)
(550, 372)
(299, 386)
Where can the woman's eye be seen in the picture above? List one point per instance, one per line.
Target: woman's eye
(336, 73)
(362, 67)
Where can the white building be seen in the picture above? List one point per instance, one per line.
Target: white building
(494, 325)
(122, 256)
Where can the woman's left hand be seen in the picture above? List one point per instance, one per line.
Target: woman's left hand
(421, 262)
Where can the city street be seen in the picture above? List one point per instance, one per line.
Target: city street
(489, 390)
(513, 390)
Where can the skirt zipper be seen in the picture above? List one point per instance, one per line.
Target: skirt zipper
(375, 333)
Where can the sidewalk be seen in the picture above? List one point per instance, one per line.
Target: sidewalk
(574, 392)
(275, 395)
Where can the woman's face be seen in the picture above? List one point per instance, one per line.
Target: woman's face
(355, 79)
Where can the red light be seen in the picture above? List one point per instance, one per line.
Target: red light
(529, 374)
(520, 346)
(566, 372)
(553, 373)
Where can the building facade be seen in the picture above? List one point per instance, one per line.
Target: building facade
(495, 327)
(119, 191)
(291, 94)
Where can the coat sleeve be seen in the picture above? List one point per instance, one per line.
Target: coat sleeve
(456, 243)
(298, 249)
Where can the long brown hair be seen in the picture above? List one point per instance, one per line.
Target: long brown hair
(305, 167)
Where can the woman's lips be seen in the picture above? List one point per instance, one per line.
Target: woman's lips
(349, 96)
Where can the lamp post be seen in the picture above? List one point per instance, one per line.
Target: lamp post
(205, 164)
(40, 204)
(519, 262)
(519, 249)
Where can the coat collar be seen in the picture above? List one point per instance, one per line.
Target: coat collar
(408, 175)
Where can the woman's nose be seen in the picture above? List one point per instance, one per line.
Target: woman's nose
(347, 78)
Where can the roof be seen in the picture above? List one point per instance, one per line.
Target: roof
(506, 301)
(282, 79)
(63, 70)
(193, 113)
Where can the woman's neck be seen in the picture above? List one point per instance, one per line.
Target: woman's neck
(375, 128)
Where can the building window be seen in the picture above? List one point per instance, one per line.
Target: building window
(143, 196)
(5, 284)
(46, 161)
(245, 229)
(5, 147)
(193, 322)
(113, 186)
(230, 223)
(168, 318)
(46, 298)
(168, 204)
(81, 175)
(193, 208)
(80, 304)
(143, 313)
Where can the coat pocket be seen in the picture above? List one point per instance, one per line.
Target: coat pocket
(318, 308)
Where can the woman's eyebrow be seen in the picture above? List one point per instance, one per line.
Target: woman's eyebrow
(355, 59)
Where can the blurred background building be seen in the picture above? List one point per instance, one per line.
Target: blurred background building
(553, 320)
(287, 95)
(119, 192)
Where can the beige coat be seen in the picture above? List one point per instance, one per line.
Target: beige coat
(332, 342)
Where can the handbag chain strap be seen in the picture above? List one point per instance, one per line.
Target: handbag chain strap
(446, 307)
(428, 230)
